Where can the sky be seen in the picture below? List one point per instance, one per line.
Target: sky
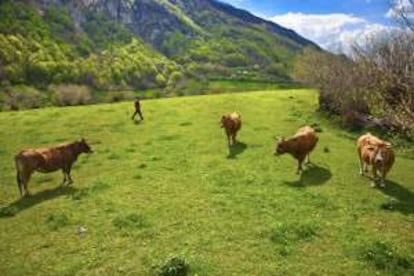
(333, 24)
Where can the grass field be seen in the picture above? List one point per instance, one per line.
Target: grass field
(169, 186)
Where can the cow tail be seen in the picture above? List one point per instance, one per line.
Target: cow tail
(18, 178)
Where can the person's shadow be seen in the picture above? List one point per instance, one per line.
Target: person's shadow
(310, 176)
(236, 149)
(403, 199)
(26, 202)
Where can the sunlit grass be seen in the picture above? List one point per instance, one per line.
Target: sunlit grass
(168, 190)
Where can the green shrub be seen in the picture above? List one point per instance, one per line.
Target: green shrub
(22, 97)
(290, 233)
(130, 221)
(71, 94)
(56, 221)
(172, 266)
(384, 257)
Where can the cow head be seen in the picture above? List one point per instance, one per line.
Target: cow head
(84, 146)
(380, 153)
(280, 146)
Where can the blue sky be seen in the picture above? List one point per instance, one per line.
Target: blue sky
(374, 10)
(334, 24)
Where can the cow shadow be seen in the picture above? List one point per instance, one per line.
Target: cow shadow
(312, 175)
(403, 199)
(236, 149)
(26, 202)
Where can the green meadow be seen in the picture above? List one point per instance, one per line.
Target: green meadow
(169, 187)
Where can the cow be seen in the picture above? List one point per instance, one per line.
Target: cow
(231, 124)
(372, 151)
(299, 146)
(48, 159)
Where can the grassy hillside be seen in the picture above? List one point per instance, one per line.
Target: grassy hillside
(135, 45)
(50, 47)
(169, 186)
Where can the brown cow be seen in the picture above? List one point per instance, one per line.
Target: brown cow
(231, 124)
(299, 146)
(372, 151)
(48, 160)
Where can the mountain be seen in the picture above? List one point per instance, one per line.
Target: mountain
(108, 44)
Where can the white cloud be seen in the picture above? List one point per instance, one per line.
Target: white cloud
(336, 32)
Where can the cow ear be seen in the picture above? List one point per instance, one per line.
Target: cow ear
(83, 140)
(388, 145)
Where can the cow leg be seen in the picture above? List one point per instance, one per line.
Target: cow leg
(234, 138)
(24, 178)
(361, 164)
(299, 170)
(64, 177)
(229, 139)
(70, 181)
(382, 179)
(308, 159)
(19, 183)
(140, 115)
(374, 176)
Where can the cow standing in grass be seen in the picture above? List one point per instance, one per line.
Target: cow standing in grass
(299, 146)
(48, 159)
(372, 151)
(231, 124)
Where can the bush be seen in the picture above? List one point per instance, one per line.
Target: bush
(172, 266)
(56, 221)
(384, 257)
(22, 97)
(71, 94)
(130, 221)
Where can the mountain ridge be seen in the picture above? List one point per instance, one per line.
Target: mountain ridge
(91, 42)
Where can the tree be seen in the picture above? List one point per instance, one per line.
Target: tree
(404, 11)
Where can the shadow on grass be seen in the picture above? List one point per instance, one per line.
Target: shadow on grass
(32, 200)
(236, 149)
(403, 199)
(312, 175)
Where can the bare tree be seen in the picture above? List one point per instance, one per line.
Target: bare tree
(403, 10)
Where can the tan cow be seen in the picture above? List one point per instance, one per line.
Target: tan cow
(231, 124)
(48, 160)
(372, 151)
(299, 146)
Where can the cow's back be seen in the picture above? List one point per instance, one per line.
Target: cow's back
(306, 139)
(47, 159)
(368, 140)
(233, 122)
